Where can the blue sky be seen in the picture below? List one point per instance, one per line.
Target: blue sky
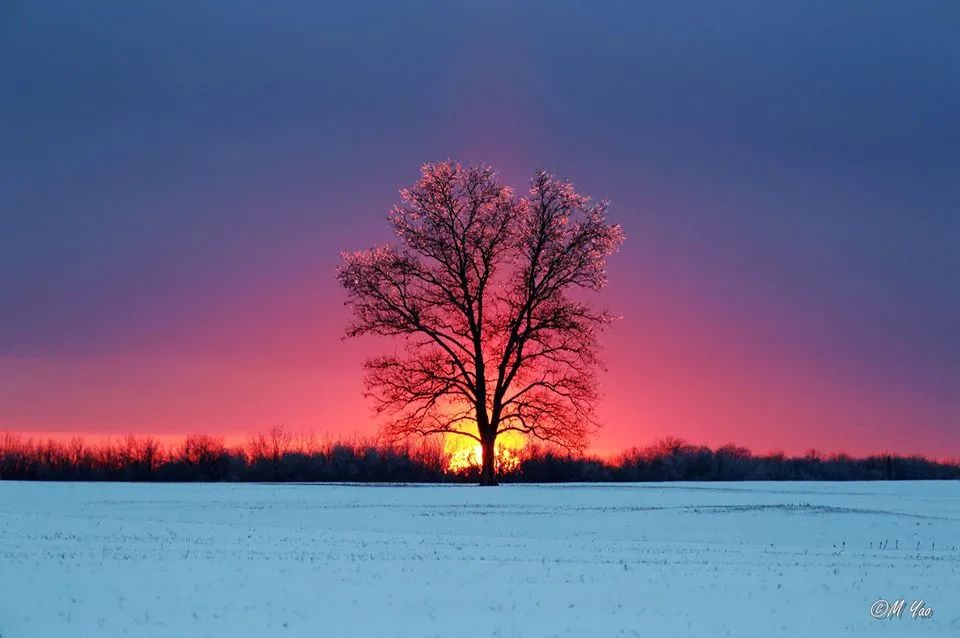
(176, 183)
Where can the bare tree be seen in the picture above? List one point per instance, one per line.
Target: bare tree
(480, 286)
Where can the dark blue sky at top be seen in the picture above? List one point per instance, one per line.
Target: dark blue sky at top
(788, 170)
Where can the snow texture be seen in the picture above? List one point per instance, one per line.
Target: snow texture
(237, 560)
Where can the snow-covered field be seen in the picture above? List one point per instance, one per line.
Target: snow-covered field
(742, 560)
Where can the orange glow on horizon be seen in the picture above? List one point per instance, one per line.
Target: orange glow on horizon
(466, 454)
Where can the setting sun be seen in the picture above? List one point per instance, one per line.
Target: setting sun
(465, 454)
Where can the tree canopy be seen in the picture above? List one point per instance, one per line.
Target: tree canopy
(481, 287)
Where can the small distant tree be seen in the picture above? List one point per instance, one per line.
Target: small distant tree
(481, 288)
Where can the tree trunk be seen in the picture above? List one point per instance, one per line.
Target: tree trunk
(488, 472)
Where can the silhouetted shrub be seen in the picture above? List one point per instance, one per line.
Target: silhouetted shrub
(278, 456)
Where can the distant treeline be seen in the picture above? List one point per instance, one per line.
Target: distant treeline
(279, 456)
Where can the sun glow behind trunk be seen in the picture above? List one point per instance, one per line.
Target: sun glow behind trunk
(465, 454)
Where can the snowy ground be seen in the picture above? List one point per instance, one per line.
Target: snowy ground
(745, 559)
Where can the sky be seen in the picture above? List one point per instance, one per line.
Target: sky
(178, 179)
